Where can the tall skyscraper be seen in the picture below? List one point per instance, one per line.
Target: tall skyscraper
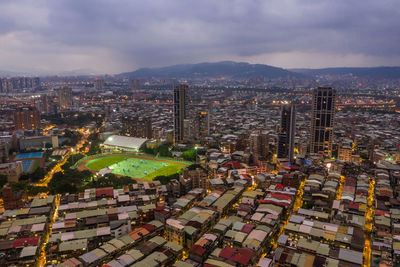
(286, 132)
(99, 84)
(259, 143)
(27, 118)
(179, 111)
(322, 121)
(45, 104)
(6, 85)
(65, 97)
(136, 85)
(147, 128)
(202, 124)
(18, 83)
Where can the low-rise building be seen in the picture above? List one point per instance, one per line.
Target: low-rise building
(12, 170)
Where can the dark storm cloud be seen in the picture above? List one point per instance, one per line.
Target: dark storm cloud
(117, 35)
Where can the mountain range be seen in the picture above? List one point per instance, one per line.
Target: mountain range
(370, 72)
(224, 69)
(242, 70)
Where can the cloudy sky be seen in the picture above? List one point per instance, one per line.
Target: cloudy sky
(112, 36)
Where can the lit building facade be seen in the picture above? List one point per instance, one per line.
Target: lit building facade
(179, 111)
(27, 118)
(99, 84)
(136, 85)
(345, 153)
(65, 97)
(203, 124)
(322, 121)
(137, 127)
(259, 144)
(287, 131)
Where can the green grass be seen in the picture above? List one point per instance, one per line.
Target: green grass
(101, 163)
(148, 169)
(167, 170)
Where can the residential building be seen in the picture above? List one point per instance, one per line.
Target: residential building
(259, 142)
(38, 142)
(14, 199)
(12, 170)
(99, 84)
(137, 127)
(344, 153)
(65, 97)
(197, 176)
(27, 118)
(135, 85)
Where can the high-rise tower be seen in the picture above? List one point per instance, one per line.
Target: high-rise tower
(65, 97)
(99, 84)
(287, 131)
(322, 121)
(202, 124)
(135, 85)
(179, 111)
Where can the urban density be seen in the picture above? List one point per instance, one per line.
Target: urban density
(118, 148)
(152, 172)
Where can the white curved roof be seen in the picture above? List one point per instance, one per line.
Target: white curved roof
(125, 141)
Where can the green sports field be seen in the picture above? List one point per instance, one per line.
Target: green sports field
(145, 168)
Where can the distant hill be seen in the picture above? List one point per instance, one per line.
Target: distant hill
(373, 72)
(226, 69)
(5, 73)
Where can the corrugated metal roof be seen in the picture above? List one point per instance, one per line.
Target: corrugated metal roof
(28, 251)
(73, 245)
(350, 256)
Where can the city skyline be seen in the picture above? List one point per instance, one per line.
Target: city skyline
(100, 171)
(102, 37)
(182, 133)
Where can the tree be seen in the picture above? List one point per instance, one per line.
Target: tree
(3, 180)
(164, 151)
(166, 179)
(111, 180)
(95, 144)
(195, 166)
(251, 160)
(35, 176)
(72, 160)
(48, 145)
(71, 181)
(19, 186)
(147, 150)
(189, 154)
(34, 190)
(72, 119)
(51, 166)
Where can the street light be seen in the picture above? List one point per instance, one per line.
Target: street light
(329, 165)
